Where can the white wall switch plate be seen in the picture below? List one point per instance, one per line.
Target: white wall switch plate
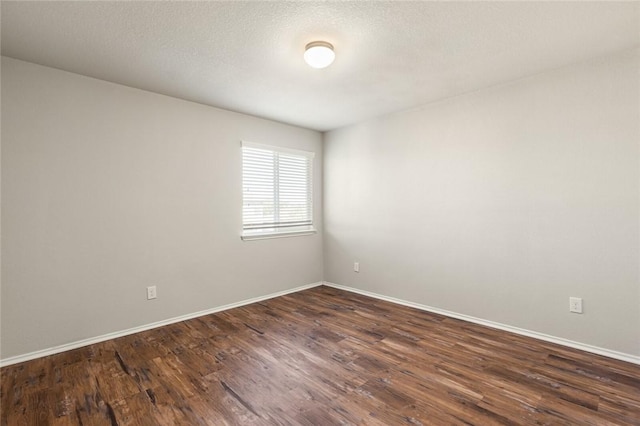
(575, 305)
(151, 292)
(356, 266)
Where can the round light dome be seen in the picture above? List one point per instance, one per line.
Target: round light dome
(319, 54)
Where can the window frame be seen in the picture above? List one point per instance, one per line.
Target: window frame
(269, 233)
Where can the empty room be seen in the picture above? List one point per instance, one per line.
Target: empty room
(320, 213)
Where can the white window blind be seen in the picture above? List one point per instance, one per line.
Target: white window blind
(276, 191)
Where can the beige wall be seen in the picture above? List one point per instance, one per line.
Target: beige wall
(108, 189)
(500, 204)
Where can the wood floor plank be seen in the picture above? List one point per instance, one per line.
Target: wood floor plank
(321, 357)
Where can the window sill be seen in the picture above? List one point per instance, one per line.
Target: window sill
(281, 234)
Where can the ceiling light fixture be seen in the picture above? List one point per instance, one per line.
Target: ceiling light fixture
(319, 54)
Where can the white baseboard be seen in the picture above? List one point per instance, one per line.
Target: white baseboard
(90, 341)
(541, 336)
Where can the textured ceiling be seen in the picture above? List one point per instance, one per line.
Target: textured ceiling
(247, 56)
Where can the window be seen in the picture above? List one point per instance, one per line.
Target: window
(277, 188)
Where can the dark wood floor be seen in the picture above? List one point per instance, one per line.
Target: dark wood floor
(321, 357)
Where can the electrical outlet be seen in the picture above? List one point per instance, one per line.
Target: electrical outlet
(356, 266)
(575, 305)
(151, 292)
